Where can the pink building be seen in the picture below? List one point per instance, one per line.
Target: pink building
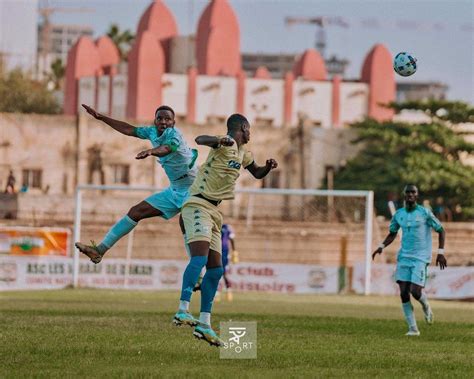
(216, 86)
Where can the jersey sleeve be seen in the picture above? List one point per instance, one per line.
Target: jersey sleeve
(394, 225)
(433, 221)
(143, 132)
(219, 146)
(172, 140)
(248, 159)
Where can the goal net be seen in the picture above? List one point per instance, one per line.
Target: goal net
(292, 227)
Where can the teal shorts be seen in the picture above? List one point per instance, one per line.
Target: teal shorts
(411, 270)
(169, 201)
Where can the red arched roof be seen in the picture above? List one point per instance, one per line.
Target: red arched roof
(310, 66)
(108, 52)
(83, 60)
(218, 40)
(377, 71)
(146, 63)
(262, 73)
(158, 20)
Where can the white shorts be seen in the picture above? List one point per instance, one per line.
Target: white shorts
(168, 201)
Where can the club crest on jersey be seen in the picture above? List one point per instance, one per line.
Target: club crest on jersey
(234, 164)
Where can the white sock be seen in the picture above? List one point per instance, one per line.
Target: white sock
(424, 300)
(205, 318)
(184, 305)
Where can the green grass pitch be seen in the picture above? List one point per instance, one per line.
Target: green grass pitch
(129, 334)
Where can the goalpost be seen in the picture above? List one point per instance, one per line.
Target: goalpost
(306, 207)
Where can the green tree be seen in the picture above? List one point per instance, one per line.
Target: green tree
(56, 76)
(123, 39)
(19, 93)
(427, 154)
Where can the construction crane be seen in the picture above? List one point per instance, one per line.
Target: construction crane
(321, 23)
(45, 10)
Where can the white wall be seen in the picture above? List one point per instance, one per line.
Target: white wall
(314, 99)
(86, 93)
(175, 92)
(119, 96)
(264, 100)
(354, 102)
(104, 94)
(216, 97)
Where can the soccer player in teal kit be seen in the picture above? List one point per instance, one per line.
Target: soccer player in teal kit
(414, 255)
(176, 158)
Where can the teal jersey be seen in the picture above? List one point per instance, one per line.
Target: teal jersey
(416, 227)
(179, 165)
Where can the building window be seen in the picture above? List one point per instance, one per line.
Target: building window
(121, 173)
(272, 180)
(32, 178)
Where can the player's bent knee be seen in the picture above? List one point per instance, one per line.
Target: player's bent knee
(415, 290)
(143, 210)
(134, 213)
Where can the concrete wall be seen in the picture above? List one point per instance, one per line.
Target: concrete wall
(215, 98)
(354, 102)
(264, 101)
(312, 99)
(175, 92)
(61, 147)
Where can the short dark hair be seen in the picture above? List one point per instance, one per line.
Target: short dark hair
(410, 185)
(235, 121)
(164, 108)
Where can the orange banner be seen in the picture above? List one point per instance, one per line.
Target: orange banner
(34, 241)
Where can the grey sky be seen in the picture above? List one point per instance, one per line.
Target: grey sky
(445, 55)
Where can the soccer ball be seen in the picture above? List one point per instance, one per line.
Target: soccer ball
(404, 64)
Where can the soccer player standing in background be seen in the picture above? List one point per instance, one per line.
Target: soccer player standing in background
(414, 255)
(176, 158)
(215, 182)
(228, 242)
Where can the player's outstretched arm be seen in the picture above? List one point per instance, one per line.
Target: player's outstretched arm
(440, 258)
(387, 241)
(259, 172)
(159, 151)
(214, 141)
(119, 126)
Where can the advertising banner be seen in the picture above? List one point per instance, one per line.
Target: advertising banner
(34, 241)
(451, 283)
(42, 272)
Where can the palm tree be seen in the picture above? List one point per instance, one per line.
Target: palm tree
(122, 39)
(57, 73)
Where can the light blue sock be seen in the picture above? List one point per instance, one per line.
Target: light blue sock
(121, 228)
(191, 276)
(409, 315)
(209, 285)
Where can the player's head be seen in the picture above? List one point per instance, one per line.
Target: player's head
(164, 118)
(411, 194)
(239, 128)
